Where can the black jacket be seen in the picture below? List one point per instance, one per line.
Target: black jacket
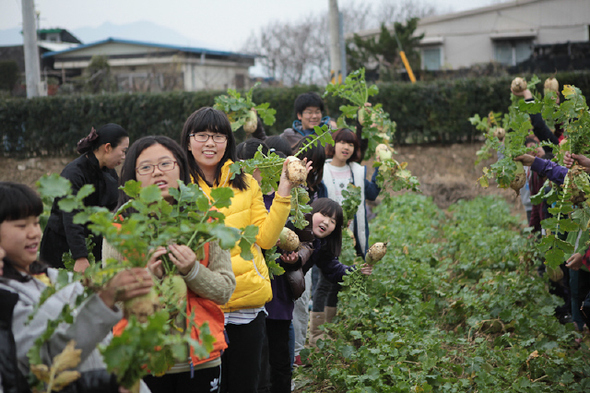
(83, 170)
(12, 380)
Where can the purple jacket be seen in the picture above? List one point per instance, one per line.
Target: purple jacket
(545, 168)
(281, 305)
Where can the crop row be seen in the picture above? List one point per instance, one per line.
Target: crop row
(455, 306)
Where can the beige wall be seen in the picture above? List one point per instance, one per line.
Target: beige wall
(213, 77)
(467, 36)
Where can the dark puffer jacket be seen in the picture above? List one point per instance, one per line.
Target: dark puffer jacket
(61, 234)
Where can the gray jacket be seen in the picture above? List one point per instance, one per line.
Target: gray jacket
(92, 325)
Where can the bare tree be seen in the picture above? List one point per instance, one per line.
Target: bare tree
(293, 53)
(390, 11)
(298, 52)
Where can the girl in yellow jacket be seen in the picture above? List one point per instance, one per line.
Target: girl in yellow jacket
(209, 142)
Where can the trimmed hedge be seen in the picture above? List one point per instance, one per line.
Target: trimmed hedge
(425, 112)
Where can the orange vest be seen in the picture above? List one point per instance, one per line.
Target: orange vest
(205, 310)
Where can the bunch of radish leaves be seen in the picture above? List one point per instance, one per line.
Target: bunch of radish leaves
(144, 223)
(271, 165)
(377, 126)
(238, 108)
(394, 176)
(570, 209)
(517, 125)
(570, 205)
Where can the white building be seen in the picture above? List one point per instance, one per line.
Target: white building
(144, 66)
(503, 33)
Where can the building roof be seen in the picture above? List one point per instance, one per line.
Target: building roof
(56, 46)
(475, 11)
(154, 45)
(50, 31)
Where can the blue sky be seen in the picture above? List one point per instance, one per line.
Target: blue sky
(219, 24)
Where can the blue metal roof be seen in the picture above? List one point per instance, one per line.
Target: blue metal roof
(155, 45)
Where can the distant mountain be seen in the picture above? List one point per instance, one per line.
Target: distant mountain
(136, 31)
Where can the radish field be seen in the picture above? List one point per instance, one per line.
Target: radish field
(456, 305)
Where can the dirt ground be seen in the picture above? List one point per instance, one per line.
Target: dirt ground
(446, 172)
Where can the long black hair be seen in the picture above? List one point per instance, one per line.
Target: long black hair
(109, 133)
(247, 149)
(279, 144)
(331, 208)
(17, 202)
(135, 150)
(317, 155)
(212, 120)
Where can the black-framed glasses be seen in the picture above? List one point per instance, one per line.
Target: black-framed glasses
(148, 169)
(202, 138)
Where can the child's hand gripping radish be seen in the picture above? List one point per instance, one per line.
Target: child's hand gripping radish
(126, 285)
(294, 173)
(290, 257)
(366, 269)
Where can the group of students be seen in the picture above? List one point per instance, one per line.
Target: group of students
(248, 313)
(571, 281)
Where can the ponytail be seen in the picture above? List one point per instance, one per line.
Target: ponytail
(109, 133)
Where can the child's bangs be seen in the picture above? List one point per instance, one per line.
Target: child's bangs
(345, 135)
(18, 202)
(212, 121)
(327, 207)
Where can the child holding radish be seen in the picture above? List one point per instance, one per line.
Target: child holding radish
(322, 248)
(23, 274)
(341, 169)
(158, 160)
(326, 226)
(208, 140)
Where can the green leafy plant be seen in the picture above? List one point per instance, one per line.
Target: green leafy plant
(454, 306)
(271, 166)
(517, 125)
(274, 269)
(571, 208)
(352, 200)
(574, 117)
(239, 109)
(144, 348)
(394, 176)
(145, 222)
(377, 127)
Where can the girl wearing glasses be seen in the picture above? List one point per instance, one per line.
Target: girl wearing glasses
(209, 143)
(101, 151)
(158, 160)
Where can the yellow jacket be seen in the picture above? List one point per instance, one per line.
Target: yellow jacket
(247, 208)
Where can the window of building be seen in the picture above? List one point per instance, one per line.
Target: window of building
(512, 52)
(240, 81)
(432, 58)
(53, 37)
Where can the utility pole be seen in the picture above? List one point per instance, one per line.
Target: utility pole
(343, 67)
(335, 65)
(32, 68)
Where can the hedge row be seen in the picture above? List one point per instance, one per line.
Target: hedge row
(424, 112)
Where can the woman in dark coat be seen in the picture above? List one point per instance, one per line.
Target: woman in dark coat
(101, 151)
